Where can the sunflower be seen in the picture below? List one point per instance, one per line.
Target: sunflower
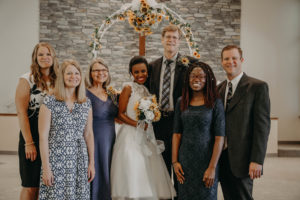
(198, 56)
(185, 61)
(148, 18)
(121, 18)
(159, 18)
(148, 33)
(167, 18)
(153, 16)
(108, 21)
(144, 8)
(139, 20)
(195, 53)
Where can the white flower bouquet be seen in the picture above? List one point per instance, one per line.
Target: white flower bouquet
(147, 109)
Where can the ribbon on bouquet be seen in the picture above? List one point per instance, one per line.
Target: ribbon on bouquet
(146, 138)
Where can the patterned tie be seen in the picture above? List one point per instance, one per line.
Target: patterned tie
(165, 104)
(229, 94)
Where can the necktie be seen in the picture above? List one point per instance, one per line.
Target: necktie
(229, 94)
(165, 104)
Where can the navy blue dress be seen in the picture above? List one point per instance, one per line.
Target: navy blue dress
(104, 113)
(198, 125)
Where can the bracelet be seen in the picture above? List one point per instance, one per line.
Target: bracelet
(174, 162)
(27, 144)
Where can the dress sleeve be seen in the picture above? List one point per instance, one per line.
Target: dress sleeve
(49, 102)
(218, 119)
(178, 126)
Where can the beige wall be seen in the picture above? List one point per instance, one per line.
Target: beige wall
(270, 38)
(19, 32)
(9, 133)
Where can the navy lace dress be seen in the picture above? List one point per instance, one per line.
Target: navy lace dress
(198, 125)
(104, 113)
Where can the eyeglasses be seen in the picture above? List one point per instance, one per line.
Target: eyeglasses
(168, 37)
(100, 70)
(198, 77)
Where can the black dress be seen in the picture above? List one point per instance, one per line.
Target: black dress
(30, 171)
(198, 125)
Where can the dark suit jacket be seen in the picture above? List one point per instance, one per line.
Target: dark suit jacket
(180, 69)
(247, 124)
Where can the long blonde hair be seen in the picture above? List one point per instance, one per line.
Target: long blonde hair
(88, 78)
(60, 89)
(36, 70)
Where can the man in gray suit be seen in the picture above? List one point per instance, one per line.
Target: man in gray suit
(247, 112)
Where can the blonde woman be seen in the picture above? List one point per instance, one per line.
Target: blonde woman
(66, 138)
(105, 111)
(31, 90)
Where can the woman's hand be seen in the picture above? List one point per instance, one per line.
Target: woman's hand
(179, 172)
(30, 152)
(91, 172)
(48, 177)
(209, 177)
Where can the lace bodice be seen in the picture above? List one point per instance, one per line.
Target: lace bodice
(137, 92)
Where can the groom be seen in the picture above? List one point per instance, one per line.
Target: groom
(166, 80)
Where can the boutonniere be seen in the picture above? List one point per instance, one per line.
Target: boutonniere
(114, 94)
(184, 61)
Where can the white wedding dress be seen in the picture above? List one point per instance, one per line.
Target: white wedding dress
(138, 170)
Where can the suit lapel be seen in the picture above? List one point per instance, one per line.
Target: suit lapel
(178, 69)
(222, 90)
(157, 76)
(240, 91)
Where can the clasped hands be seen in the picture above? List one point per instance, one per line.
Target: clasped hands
(208, 177)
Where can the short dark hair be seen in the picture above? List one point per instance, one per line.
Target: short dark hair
(229, 47)
(136, 60)
(209, 91)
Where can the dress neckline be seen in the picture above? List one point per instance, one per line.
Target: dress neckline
(98, 97)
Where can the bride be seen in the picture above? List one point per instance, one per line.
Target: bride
(137, 170)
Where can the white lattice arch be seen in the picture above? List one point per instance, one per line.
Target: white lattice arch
(167, 13)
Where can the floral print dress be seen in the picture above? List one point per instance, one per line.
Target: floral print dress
(68, 156)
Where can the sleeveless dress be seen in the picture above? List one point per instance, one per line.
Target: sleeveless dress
(30, 171)
(68, 155)
(104, 113)
(136, 173)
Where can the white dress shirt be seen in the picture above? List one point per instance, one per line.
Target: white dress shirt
(234, 83)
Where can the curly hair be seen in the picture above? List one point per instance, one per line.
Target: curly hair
(36, 69)
(209, 91)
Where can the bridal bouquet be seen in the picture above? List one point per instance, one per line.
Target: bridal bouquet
(147, 109)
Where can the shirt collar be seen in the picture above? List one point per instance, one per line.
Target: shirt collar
(173, 58)
(236, 80)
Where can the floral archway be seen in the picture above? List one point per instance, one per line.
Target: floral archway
(144, 16)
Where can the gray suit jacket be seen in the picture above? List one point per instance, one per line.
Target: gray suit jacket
(247, 124)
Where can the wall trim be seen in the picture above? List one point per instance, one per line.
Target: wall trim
(8, 114)
(8, 152)
(288, 142)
